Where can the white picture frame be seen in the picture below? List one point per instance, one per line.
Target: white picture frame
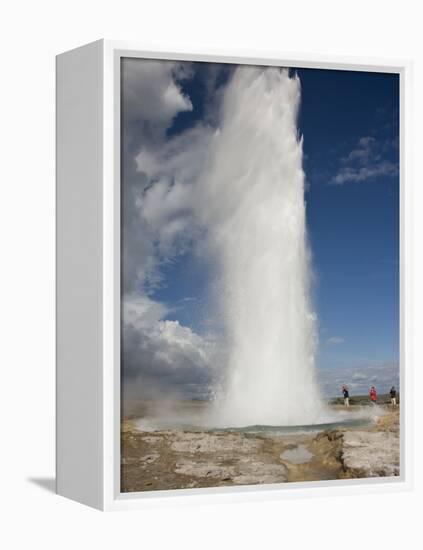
(88, 279)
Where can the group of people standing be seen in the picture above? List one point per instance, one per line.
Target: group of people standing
(372, 395)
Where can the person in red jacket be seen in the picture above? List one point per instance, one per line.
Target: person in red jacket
(373, 395)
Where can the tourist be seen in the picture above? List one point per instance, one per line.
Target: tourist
(346, 396)
(373, 395)
(393, 394)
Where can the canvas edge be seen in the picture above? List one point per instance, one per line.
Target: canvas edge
(79, 184)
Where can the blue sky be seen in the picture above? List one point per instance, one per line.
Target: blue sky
(350, 122)
(350, 125)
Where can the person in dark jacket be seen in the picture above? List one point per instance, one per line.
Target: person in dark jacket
(393, 394)
(346, 396)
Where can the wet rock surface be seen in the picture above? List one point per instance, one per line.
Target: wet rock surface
(367, 454)
(179, 459)
(183, 459)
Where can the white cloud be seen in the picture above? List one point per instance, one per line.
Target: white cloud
(359, 376)
(363, 151)
(151, 92)
(364, 173)
(154, 222)
(147, 162)
(335, 340)
(164, 351)
(181, 157)
(167, 207)
(158, 171)
(158, 224)
(365, 162)
(141, 312)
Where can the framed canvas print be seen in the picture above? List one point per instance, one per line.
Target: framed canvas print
(231, 276)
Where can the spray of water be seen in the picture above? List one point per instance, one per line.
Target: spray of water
(255, 214)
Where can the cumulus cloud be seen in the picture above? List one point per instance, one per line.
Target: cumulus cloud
(159, 172)
(168, 204)
(140, 312)
(151, 99)
(367, 161)
(151, 93)
(164, 352)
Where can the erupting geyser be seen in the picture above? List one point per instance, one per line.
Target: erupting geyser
(255, 214)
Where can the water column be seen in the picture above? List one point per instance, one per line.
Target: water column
(254, 210)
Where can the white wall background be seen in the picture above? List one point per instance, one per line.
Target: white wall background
(32, 32)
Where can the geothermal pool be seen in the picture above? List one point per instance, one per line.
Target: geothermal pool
(199, 419)
(305, 428)
(153, 425)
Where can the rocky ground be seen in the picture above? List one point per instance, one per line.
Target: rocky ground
(176, 459)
